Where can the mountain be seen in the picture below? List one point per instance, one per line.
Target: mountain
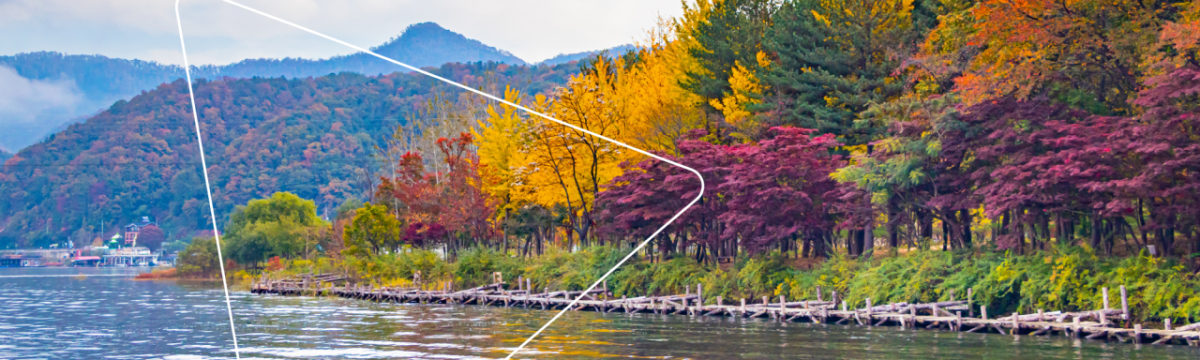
(4, 156)
(43, 91)
(421, 45)
(314, 137)
(566, 58)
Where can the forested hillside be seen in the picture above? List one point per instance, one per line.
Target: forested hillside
(315, 137)
(86, 84)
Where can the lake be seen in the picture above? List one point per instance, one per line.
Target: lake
(49, 313)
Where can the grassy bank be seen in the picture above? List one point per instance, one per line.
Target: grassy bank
(1067, 279)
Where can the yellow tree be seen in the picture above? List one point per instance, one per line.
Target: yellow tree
(745, 90)
(501, 150)
(659, 110)
(565, 166)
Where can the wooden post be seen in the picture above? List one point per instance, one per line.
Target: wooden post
(833, 297)
(605, 292)
(819, 293)
(766, 301)
(743, 309)
(1041, 314)
(1124, 305)
(520, 283)
(869, 322)
(1137, 333)
(1105, 291)
(983, 311)
(1015, 324)
(528, 286)
(970, 302)
(951, 294)
(700, 296)
(720, 301)
(843, 305)
(1167, 324)
(1077, 327)
(912, 312)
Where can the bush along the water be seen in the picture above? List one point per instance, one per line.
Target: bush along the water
(1063, 278)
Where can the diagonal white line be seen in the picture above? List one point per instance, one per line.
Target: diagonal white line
(489, 96)
(207, 187)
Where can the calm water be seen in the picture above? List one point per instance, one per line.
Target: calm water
(48, 314)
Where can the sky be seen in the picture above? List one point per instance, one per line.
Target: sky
(220, 33)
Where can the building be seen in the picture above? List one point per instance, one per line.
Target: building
(11, 261)
(131, 230)
(129, 256)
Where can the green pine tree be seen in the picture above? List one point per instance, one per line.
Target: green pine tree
(834, 59)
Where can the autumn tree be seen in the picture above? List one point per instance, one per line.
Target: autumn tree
(1089, 53)
(151, 237)
(454, 198)
(777, 192)
(650, 192)
(567, 166)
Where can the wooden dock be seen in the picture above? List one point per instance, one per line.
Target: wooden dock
(1100, 324)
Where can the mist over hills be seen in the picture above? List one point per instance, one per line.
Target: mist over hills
(42, 92)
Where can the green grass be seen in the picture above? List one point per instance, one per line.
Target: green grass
(1067, 279)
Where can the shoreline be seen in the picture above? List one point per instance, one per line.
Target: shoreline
(1092, 325)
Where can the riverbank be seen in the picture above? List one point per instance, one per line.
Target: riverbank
(1066, 279)
(953, 315)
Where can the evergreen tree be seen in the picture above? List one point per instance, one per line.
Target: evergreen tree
(729, 33)
(834, 59)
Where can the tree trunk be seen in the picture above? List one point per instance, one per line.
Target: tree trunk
(925, 220)
(965, 219)
(868, 239)
(1168, 237)
(893, 231)
(1019, 227)
(945, 234)
(854, 242)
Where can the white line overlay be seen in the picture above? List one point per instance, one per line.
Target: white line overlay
(464, 87)
(207, 187)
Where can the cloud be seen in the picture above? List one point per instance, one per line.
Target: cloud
(24, 100)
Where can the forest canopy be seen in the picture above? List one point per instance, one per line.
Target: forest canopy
(314, 137)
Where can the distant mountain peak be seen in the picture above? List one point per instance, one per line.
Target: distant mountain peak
(435, 45)
(611, 52)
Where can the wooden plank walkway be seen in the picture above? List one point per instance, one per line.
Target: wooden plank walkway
(948, 315)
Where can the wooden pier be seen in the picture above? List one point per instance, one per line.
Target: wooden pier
(1100, 324)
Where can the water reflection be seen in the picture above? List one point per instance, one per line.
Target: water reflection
(116, 317)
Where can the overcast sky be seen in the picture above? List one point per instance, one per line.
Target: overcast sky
(220, 33)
